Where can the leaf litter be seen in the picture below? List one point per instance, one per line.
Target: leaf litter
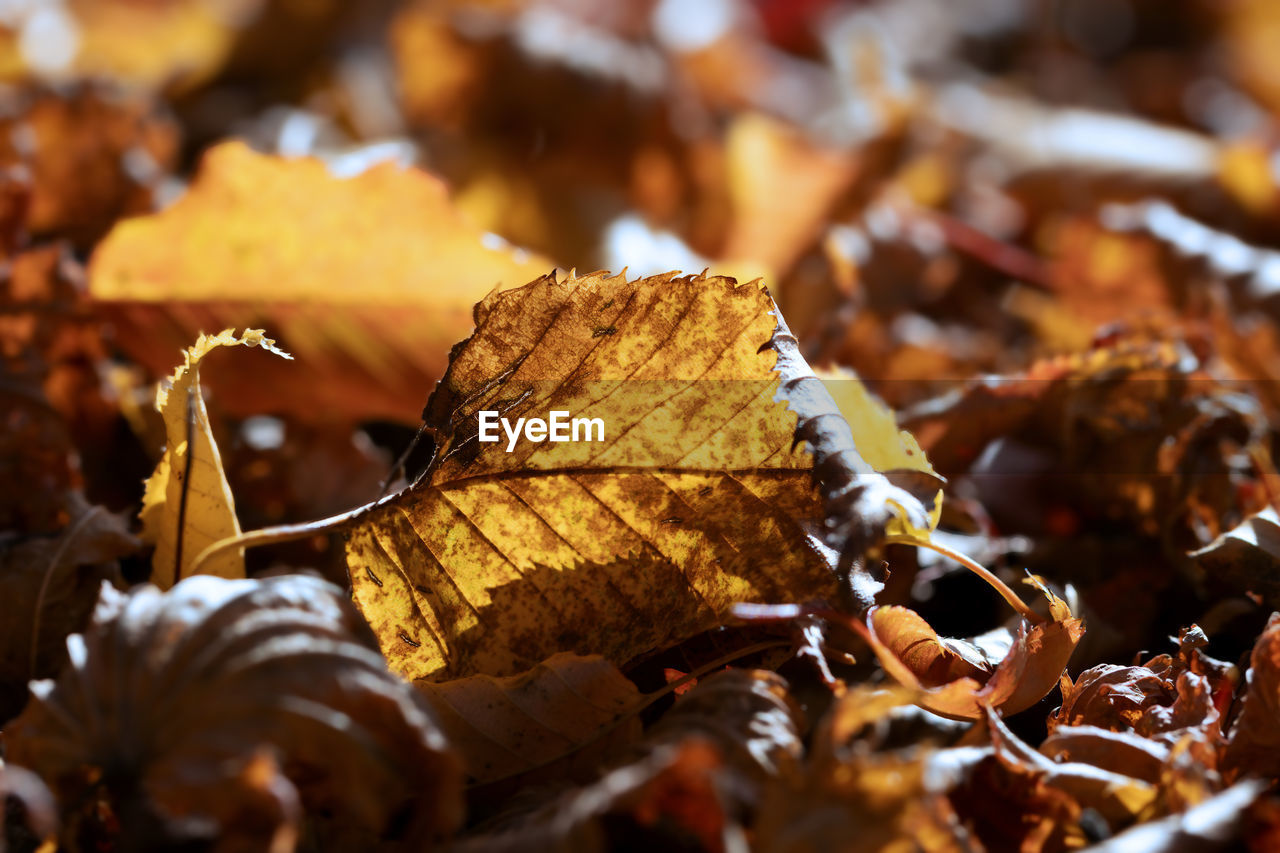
(1027, 274)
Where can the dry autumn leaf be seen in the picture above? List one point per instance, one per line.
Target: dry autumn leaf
(504, 726)
(1253, 747)
(268, 704)
(371, 277)
(896, 798)
(188, 504)
(691, 496)
(962, 679)
(93, 154)
(52, 583)
(1247, 557)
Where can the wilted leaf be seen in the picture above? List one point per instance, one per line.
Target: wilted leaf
(1253, 746)
(1119, 798)
(750, 716)
(1166, 698)
(504, 726)
(700, 775)
(94, 156)
(961, 678)
(1114, 751)
(689, 496)
(264, 700)
(50, 583)
(1247, 557)
(667, 800)
(371, 277)
(895, 798)
(188, 504)
(1217, 824)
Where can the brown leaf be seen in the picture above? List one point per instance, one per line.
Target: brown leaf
(368, 279)
(668, 800)
(94, 155)
(214, 710)
(43, 350)
(1118, 797)
(960, 679)
(504, 726)
(1162, 698)
(49, 584)
(1114, 751)
(689, 495)
(750, 716)
(700, 775)
(1216, 824)
(1247, 557)
(895, 798)
(1253, 746)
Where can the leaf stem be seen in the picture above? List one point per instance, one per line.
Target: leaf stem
(283, 533)
(977, 568)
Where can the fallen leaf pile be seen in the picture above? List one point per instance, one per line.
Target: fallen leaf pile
(774, 425)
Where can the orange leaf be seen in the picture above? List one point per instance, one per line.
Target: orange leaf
(369, 279)
(958, 678)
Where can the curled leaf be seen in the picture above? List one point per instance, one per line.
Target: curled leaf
(1253, 746)
(1119, 798)
(188, 504)
(1247, 557)
(1163, 698)
(225, 710)
(960, 679)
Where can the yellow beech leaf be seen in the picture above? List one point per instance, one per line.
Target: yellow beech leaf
(700, 434)
(371, 276)
(880, 442)
(187, 504)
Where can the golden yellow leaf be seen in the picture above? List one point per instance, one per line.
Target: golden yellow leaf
(699, 494)
(188, 504)
(880, 442)
(371, 277)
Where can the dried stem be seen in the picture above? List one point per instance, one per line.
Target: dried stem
(978, 569)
